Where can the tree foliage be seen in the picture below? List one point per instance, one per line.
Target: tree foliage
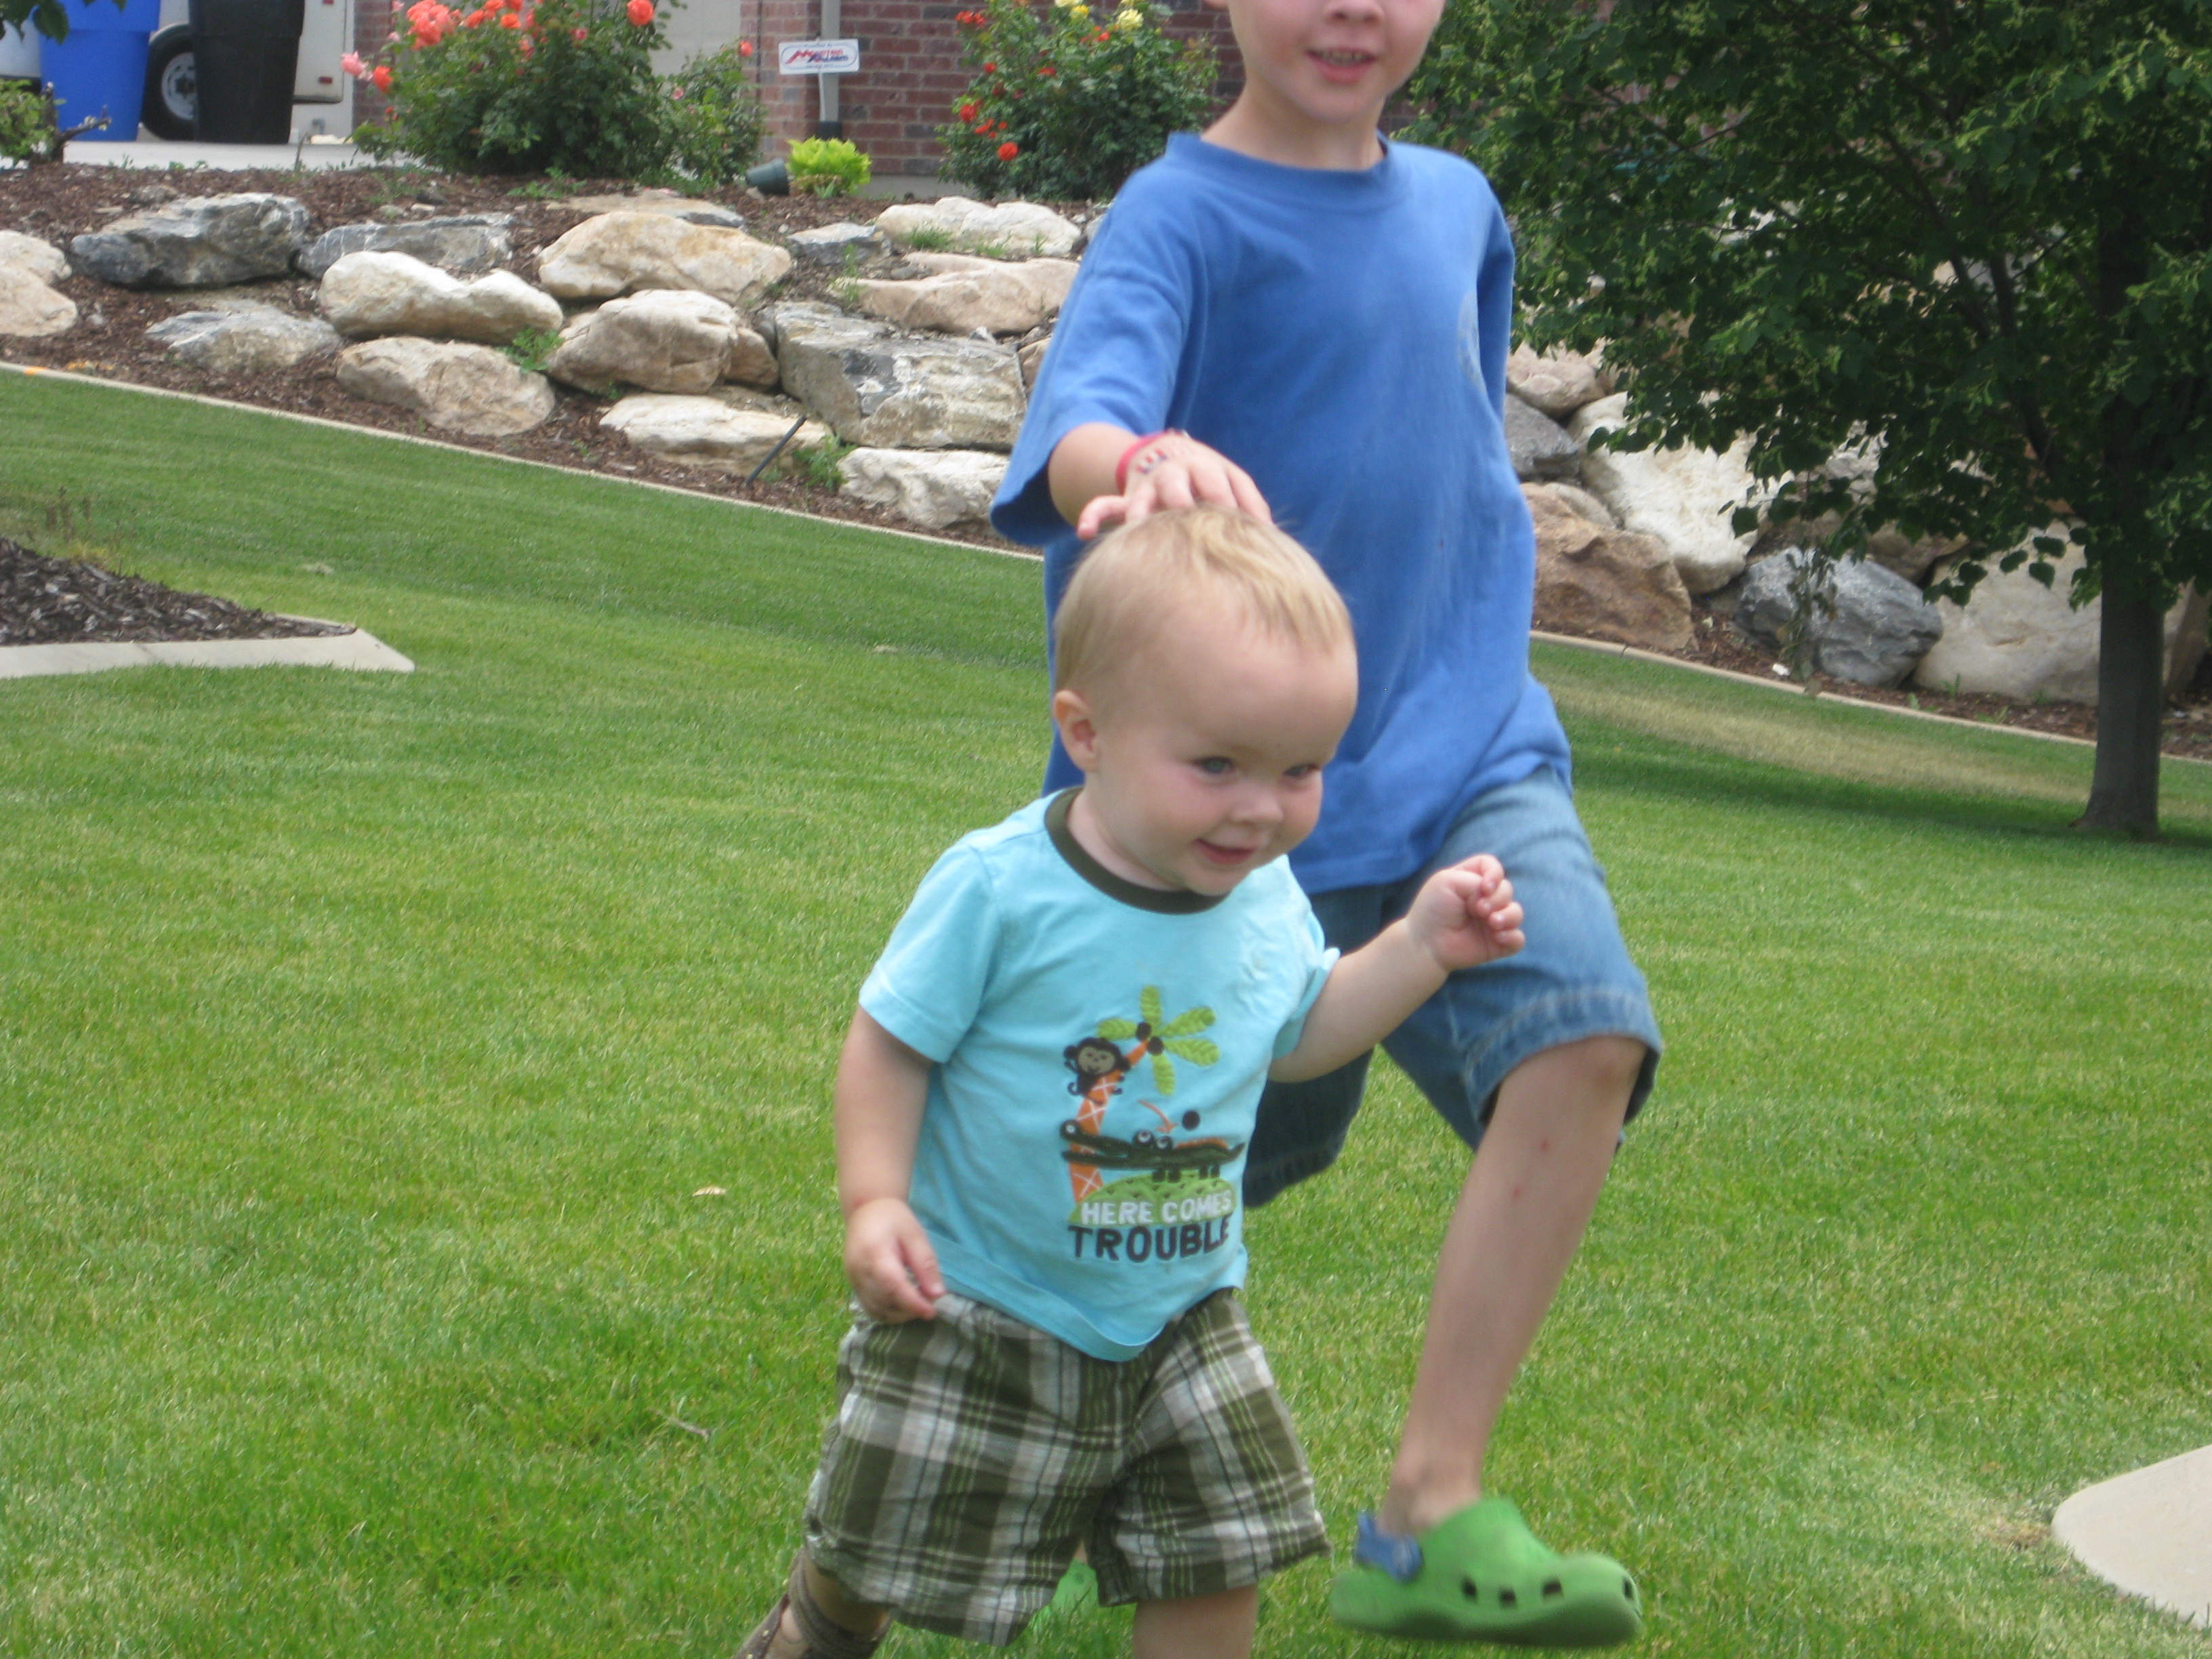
(1973, 232)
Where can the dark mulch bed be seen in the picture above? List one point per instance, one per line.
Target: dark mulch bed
(60, 202)
(74, 602)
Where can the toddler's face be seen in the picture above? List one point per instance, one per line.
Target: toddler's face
(1203, 760)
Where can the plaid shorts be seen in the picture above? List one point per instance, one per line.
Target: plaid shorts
(972, 1454)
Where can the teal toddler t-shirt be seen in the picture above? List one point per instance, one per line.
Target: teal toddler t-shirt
(1100, 1050)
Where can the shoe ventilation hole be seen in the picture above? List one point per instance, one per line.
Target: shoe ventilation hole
(1506, 1598)
(1628, 1588)
(1466, 1587)
(1552, 1586)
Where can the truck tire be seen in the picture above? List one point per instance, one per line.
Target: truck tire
(172, 84)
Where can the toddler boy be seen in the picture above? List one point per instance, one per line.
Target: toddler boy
(1291, 317)
(1042, 1110)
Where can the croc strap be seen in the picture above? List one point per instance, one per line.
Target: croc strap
(1394, 1553)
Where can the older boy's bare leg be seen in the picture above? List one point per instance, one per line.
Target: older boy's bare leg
(1520, 1218)
(864, 1620)
(1216, 1626)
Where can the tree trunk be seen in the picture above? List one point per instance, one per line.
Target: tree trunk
(2130, 699)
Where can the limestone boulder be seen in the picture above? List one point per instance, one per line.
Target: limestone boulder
(622, 252)
(29, 310)
(997, 296)
(1684, 496)
(1604, 584)
(465, 244)
(34, 256)
(752, 361)
(244, 339)
(709, 432)
(830, 245)
(2016, 638)
(935, 488)
(1031, 358)
(1556, 383)
(455, 387)
(365, 294)
(884, 390)
(201, 242)
(1880, 627)
(1541, 448)
(663, 340)
(665, 202)
(1019, 230)
(1574, 498)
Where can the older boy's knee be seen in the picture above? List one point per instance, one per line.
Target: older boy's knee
(1595, 1075)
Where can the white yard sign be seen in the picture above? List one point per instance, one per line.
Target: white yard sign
(817, 56)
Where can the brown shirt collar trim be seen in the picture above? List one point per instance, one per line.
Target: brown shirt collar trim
(1173, 902)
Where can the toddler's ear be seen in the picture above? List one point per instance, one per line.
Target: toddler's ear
(1079, 730)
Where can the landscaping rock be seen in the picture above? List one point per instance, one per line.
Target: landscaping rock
(828, 244)
(708, 432)
(2017, 638)
(244, 339)
(752, 361)
(1019, 230)
(1541, 448)
(1881, 627)
(203, 241)
(663, 340)
(622, 252)
(1893, 550)
(964, 294)
(1558, 383)
(1031, 357)
(1575, 499)
(36, 259)
(1683, 497)
(665, 202)
(372, 293)
(935, 488)
(893, 392)
(1604, 584)
(465, 244)
(29, 310)
(458, 388)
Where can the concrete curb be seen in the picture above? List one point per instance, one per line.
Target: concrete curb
(2148, 1533)
(355, 650)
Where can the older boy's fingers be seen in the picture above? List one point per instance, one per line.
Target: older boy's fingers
(1171, 487)
(1103, 512)
(1245, 494)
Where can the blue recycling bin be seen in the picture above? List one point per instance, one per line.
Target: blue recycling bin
(101, 67)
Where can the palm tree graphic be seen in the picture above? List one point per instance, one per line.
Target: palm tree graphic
(1154, 1037)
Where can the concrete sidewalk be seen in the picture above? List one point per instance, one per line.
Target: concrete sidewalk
(160, 155)
(2150, 1533)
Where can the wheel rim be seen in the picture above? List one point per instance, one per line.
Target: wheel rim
(181, 86)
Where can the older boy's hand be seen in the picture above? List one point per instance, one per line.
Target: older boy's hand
(890, 1262)
(1467, 916)
(1173, 471)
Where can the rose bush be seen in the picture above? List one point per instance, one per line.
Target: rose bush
(544, 86)
(1068, 100)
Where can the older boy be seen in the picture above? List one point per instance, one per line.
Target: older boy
(1291, 317)
(1043, 1109)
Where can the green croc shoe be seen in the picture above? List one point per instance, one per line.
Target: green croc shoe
(1481, 1576)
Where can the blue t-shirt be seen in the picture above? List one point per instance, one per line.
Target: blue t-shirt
(1342, 337)
(1100, 1049)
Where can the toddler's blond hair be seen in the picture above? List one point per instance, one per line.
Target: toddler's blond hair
(1132, 580)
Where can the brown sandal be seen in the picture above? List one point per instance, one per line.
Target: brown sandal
(824, 1637)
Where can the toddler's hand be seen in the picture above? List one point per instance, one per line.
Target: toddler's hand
(1182, 472)
(1466, 915)
(890, 1262)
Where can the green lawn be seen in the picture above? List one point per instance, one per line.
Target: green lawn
(363, 1040)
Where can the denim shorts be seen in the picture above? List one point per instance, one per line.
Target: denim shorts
(1573, 979)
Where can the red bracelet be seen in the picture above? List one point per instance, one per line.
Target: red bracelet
(1121, 466)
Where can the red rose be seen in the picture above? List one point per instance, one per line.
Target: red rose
(639, 12)
(1047, 69)
(1008, 150)
(990, 69)
(382, 77)
(580, 35)
(745, 48)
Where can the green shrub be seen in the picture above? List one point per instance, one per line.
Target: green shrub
(552, 86)
(827, 166)
(24, 134)
(717, 117)
(1063, 107)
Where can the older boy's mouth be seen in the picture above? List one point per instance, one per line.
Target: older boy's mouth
(1341, 62)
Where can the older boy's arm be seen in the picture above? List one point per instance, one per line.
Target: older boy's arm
(882, 1085)
(1175, 470)
(1462, 917)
